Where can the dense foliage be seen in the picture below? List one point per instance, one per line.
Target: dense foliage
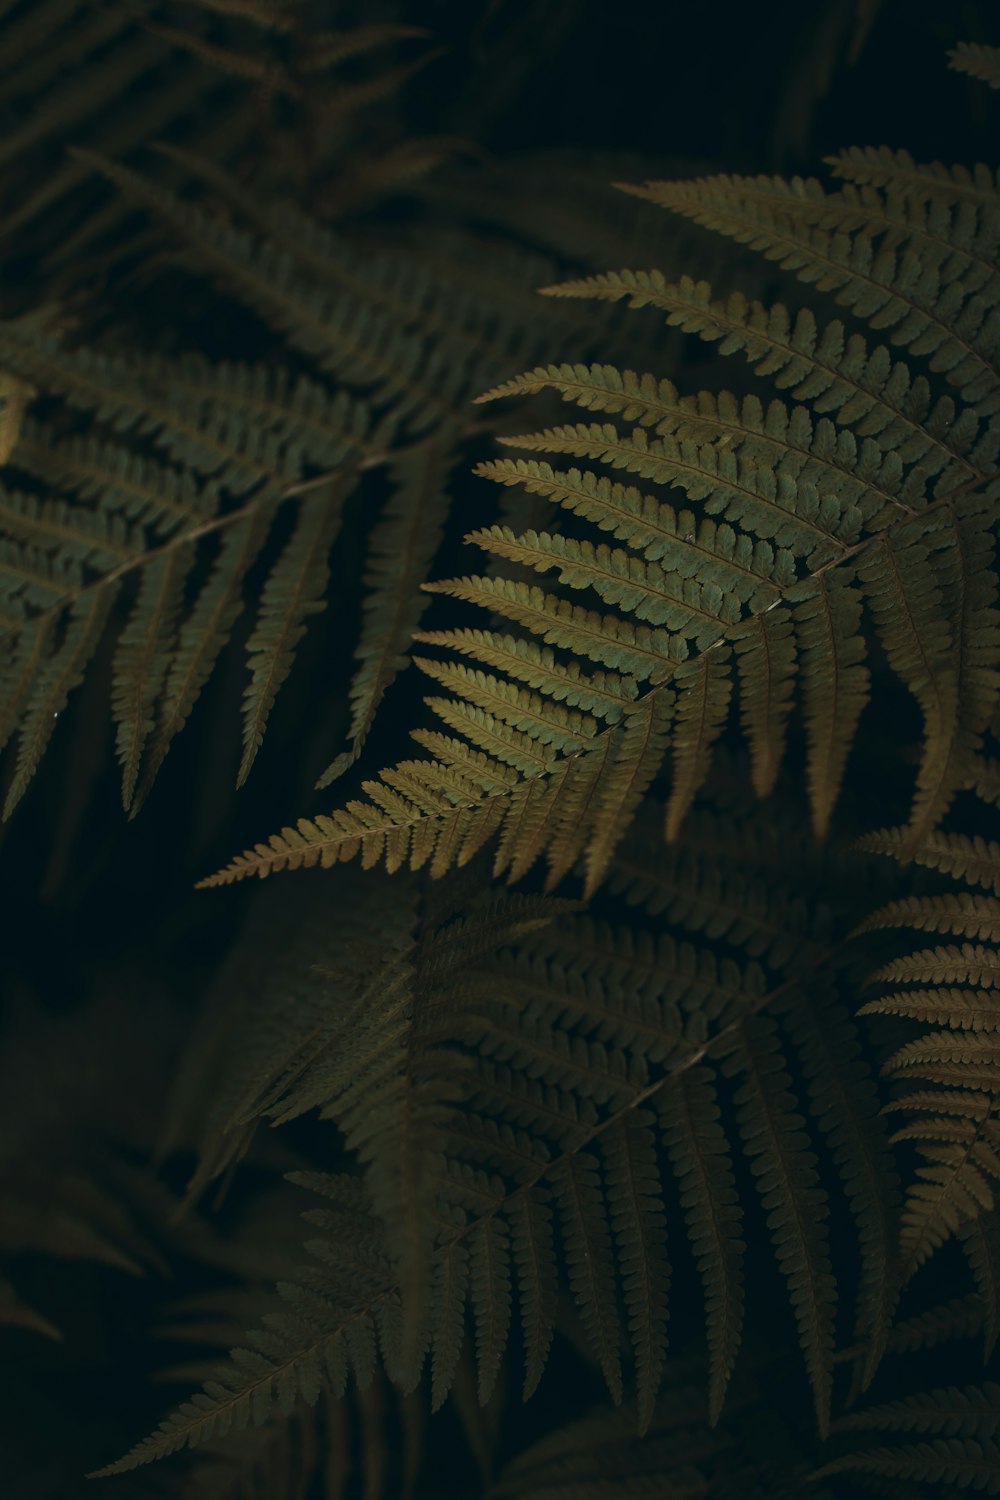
(601, 1097)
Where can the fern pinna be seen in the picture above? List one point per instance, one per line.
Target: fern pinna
(857, 511)
(948, 1075)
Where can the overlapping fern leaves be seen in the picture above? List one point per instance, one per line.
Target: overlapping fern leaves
(106, 517)
(241, 83)
(849, 507)
(534, 1116)
(185, 479)
(944, 1436)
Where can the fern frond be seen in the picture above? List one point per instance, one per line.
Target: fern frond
(123, 484)
(307, 1348)
(761, 500)
(980, 1241)
(638, 754)
(638, 1224)
(692, 884)
(815, 531)
(777, 437)
(951, 1411)
(962, 1317)
(588, 1250)
(766, 665)
(253, 433)
(845, 1104)
(601, 693)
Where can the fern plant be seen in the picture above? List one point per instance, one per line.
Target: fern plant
(577, 1103)
(701, 1118)
(855, 512)
(395, 353)
(519, 1119)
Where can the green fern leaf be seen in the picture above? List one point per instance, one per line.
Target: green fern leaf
(914, 298)
(845, 1104)
(974, 859)
(638, 755)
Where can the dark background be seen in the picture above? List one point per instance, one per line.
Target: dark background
(99, 916)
